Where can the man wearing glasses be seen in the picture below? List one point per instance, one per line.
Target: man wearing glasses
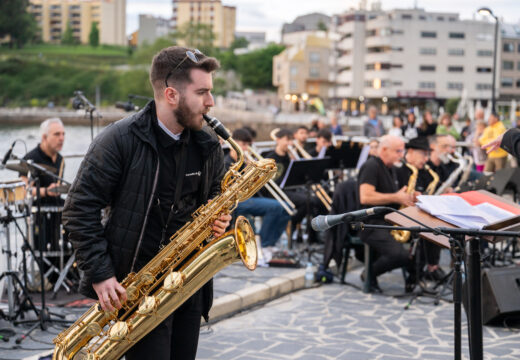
(149, 171)
(378, 186)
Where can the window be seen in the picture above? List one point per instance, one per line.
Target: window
(481, 86)
(406, 17)
(486, 53)
(293, 85)
(422, 17)
(483, 69)
(508, 65)
(397, 83)
(368, 83)
(455, 68)
(370, 33)
(455, 86)
(294, 70)
(397, 32)
(428, 34)
(427, 68)
(396, 66)
(426, 85)
(428, 51)
(314, 57)
(518, 83)
(506, 82)
(456, 52)
(314, 72)
(509, 47)
(456, 35)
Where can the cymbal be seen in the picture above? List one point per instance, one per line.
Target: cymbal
(23, 168)
(60, 189)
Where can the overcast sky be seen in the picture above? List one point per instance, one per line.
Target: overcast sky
(269, 15)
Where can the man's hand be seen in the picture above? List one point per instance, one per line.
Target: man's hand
(108, 290)
(220, 225)
(493, 145)
(48, 191)
(404, 198)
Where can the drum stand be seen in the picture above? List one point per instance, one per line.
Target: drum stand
(12, 277)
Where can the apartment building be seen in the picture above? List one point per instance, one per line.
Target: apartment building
(52, 17)
(301, 71)
(411, 54)
(151, 28)
(220, 17)
(509, 50)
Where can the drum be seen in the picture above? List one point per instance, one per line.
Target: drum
(12, 192)
(53, 244)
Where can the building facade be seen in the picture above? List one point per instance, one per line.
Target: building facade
(301, 72)
(509, 50)
(53, 16)
(151, 28)
(411, 55)
(221, 18)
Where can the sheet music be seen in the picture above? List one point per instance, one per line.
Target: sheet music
(457, 211)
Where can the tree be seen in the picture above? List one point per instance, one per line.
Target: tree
(322, 26)
(93, 37)
(68, 36)
(451, 105)
(16, 22)
(239, 43)
(198, 36)
(256, 68)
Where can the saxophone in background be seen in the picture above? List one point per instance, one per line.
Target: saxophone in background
(182, 267)
(403, 236)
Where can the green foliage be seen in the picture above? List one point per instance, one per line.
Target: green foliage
(198, 36)
(451, 105)
(93, 37)
(256, 68)
(146, 52)
(239, 43)
(16, 22)
(68, 36)
(322, 26)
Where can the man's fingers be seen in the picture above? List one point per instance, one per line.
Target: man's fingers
(115, 298)
(122, 292)
(105, 302)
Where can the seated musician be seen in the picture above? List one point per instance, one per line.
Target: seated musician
(274, 217)
(323, 141)
(299, 197)
(439, 149)
(417, 156)
(301, 134)
(378, 186)
(47, 153)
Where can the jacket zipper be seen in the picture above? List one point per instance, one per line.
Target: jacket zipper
(145, 218)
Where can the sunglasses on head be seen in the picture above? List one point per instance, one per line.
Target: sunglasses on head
(192, 55)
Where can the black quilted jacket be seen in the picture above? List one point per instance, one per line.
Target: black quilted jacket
(119, 174)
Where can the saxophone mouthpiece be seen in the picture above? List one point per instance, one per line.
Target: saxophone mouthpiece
(217, 126)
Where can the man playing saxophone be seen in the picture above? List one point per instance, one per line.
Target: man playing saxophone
(149, 172)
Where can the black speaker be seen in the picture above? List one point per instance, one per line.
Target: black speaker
(500, 294)
(505, 179)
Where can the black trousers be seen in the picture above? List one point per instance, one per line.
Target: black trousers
(177, 337)
(389, 254)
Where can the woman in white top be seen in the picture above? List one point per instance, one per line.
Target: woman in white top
(397, 123)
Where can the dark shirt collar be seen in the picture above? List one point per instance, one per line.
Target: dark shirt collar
(45, 156)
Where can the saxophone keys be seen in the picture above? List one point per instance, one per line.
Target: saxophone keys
(147, 305)
(93, 329)
(118, 331)
(132, 293)
(173, 281)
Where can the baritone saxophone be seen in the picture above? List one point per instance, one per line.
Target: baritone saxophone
(190, 259)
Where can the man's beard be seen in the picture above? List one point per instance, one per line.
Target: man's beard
(187, 118)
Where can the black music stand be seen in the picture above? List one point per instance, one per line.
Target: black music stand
(306, 172)
(345, 156)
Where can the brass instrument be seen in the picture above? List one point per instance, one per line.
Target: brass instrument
(293, 154)
(403, 236)
(272, 186)
(466, 172)
(183, 266)
(454, 175)
(430, 189)
(318, 190)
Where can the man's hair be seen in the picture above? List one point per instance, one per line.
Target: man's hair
(46, 125)
(302, 127)
(325, 133)
(251, 131)
(433, 139)
(242, 134)
(165, 61)
(284, 133)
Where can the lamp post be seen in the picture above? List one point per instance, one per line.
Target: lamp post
(487, 11)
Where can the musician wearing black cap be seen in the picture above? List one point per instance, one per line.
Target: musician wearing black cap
(417, 151)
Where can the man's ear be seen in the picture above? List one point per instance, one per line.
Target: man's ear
(171, 95)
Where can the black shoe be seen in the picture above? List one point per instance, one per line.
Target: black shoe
(436, 275)
(374, 286)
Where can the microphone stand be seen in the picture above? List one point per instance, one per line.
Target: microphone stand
(456, 238)
(80, 101)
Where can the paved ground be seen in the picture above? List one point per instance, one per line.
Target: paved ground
(340, 322)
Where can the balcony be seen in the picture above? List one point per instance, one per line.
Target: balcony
(343, 61)
(378, 41)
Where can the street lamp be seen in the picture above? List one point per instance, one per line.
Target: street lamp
(484, 11)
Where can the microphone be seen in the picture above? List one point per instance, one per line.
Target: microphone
(7, 155)
(77, 103)
(325, 222)
(126, 106)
